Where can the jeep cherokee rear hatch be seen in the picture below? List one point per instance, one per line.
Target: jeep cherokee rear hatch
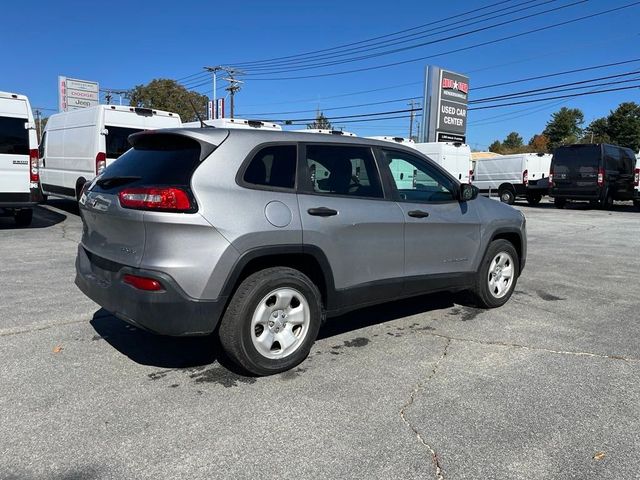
(575, 169)
(153, 176)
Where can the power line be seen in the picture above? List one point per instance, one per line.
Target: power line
(422, 44)
(457, 50)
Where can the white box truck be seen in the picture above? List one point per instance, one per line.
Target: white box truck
(78, 145)
(455, 158)
(19, 189)
(512, 176)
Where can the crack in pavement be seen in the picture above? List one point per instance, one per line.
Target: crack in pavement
(420, 386)
(538, 349)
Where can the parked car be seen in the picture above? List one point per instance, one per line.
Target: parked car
(232, 231)
(19, 189)
(513, 176)
(598, 173)
(79, 144)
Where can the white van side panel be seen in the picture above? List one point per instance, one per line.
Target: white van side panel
(490, 173)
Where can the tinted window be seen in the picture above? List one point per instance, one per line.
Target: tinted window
(418, 181)
(273, 166)
(584, 158)
(343, 170)
(612, 159)
(14, 138)
(159, 160)
(117, 142)
(629, 160)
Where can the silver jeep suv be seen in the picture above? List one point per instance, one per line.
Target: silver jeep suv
(260, 235)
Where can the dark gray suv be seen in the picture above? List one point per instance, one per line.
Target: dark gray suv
(260, 235)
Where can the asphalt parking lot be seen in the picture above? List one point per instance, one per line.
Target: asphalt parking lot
(544, 387)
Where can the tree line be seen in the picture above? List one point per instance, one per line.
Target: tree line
(565, 127)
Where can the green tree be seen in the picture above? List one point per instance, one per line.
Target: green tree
(496, 147)
(513, 143)
(597, 131)
(624, 125)
(166, 94)
(320, 122)
(565, 127)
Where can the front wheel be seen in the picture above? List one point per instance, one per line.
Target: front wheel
(498, 274)
(272, 321)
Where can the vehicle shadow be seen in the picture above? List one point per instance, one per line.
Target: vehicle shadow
(69, 206)
(186, 352)
(42, 218)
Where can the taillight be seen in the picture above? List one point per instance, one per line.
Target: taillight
(169, 199)
(551, 177)
(525, 177)
(143, 283)
(34, 175)
(101, 162)
(600, 177)
(636, 178)
(470, 176)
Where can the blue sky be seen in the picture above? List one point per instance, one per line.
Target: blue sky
(121, 45)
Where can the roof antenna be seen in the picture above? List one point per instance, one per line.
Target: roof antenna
(195, 110)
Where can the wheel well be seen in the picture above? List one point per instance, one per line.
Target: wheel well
(514, 239)
(507, 186)
(302, 262)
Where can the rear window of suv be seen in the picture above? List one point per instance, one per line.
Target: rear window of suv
(14, 137)
(160, 159)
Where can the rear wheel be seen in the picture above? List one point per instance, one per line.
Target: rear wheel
(559, 202)
(534, 198)
(23, 217)
(498, 274)
(507, 196)
(607, 202)
(272, 321)
(636, 203)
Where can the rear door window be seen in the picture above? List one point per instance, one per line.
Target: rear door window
(343, 170)
(273, 166)
(117, 140)
(161, 159)
(577, 158)
(612, 159)
(14, 137)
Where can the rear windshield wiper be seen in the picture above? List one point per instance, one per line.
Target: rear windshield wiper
(111, 182)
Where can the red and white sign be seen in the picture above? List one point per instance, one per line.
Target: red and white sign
(74, 94)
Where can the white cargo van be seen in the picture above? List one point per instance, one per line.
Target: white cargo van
(19, 190)
(78, 145)
(512, 176)
(326, 131)
(234, 123)
(400, 140)
(455, 158)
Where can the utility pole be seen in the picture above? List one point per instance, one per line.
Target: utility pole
(411, 104)
(38, 125)
(214, 71)
(234, 85)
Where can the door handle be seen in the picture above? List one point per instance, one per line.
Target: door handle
(322, 212)
(418, 213)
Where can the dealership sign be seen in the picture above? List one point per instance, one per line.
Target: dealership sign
(444, 106)
(75, 94)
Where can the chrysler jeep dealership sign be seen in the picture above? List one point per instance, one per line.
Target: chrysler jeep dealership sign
(445, 106)
(74, 94)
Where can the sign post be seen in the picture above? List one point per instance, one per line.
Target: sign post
(75, 94)
(444, 111)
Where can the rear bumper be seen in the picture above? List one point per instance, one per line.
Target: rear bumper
(20, 200)
(594, 194)
(167, 312)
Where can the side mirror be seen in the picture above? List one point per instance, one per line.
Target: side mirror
(468, 192)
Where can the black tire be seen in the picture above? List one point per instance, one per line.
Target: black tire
(235, 332)
(79, 186)
(636, 203)
(594, 203)
(559, 202)
(607, 202)
(486, 299)
(534, 198)
(23, 217)
(507, 196)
